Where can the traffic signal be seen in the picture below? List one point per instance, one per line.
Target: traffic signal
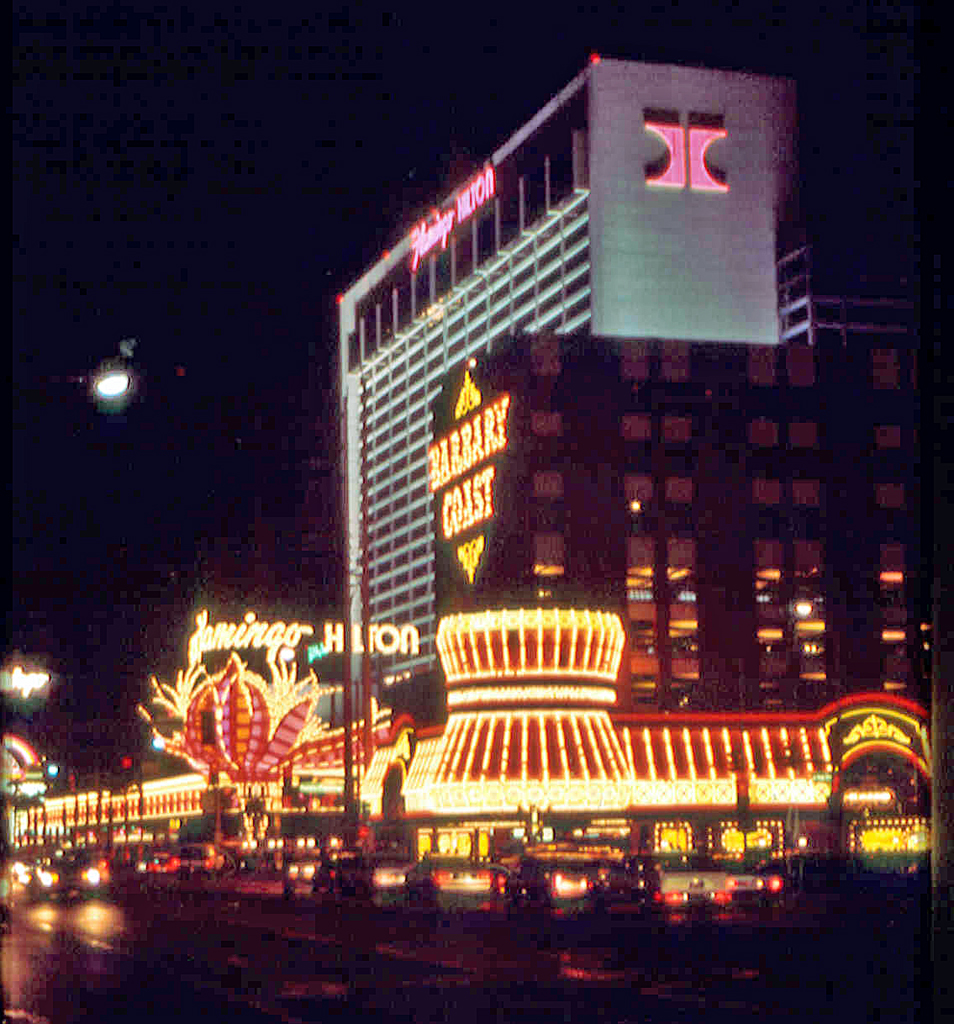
(126, 762)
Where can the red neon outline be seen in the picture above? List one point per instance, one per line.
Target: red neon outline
(700, 180)
(886, 746)
(673, 137)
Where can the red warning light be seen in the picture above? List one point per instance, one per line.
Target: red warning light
(594, 58)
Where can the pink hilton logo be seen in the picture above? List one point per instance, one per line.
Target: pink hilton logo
(674, 174)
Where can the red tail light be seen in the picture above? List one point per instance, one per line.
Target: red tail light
(774, 883)
(722, 897)
(442, 878)
(675, 897)
(732, 883)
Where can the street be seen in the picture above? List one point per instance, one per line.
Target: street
(146, 954)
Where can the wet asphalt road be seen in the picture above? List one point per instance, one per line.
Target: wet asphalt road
(169, 953)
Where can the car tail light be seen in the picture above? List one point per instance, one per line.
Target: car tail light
(774, 883)
(732, 883)
(388, 878)
(568, 886)
(675, 897)
(442, 879)
(501, 883)
(174, 863)
(722, 897)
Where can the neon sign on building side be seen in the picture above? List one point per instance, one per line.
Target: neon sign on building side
(456, 466)
(425, 237)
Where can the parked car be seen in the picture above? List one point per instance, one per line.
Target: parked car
(300, 867)
(81, 873)
(455, 883)
(568, 880)
(163, 862)
(693, 879)
(200, 859)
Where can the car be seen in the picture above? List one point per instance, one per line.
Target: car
(456, 883)
(163, 862)
(568, 880)
(692, 879)
(200, 859)
(80, 873)
(299, 867)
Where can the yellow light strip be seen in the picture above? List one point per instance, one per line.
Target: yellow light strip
(806, 750)
(491, 732)
(647, 740)
(524, 743)
(544, 753)
(825, 750)
(709, 759)
(671, 761)
(767, 748)
(539, 639)
(580, 753)
(749, 759)
(505, 753)
(726, 743)
(690, 757)
(468, 730)
(630, 760)
(614, 743)
(573, 626)
(564, 760)
(597, 753)
(613, 748)
(892, 635)
(463, 696)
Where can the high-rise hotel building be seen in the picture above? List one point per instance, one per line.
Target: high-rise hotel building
(627, 240)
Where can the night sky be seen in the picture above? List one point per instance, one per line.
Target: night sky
(207, 181)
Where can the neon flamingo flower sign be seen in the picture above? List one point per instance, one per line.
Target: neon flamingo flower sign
(424, 236)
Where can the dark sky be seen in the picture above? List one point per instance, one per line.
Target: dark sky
(206, 180)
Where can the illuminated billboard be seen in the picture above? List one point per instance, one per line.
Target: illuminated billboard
(473, 423)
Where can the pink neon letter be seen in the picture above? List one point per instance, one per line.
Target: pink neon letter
(674, 176)
(699, 177)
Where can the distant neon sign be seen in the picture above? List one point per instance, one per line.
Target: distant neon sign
(250, 633)
(425, 237)
(25, 683)
(673, 175)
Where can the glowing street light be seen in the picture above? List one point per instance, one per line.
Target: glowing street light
(113, 383)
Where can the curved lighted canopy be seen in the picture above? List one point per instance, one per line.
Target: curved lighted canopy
(522, 642)
(867, 723)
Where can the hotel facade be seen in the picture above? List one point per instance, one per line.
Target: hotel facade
(644, 492)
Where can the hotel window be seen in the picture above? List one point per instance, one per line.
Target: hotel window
(800, 360)
(636, 428)
(885, 370)
(887, 436)
(891, 584)
(634, 362)
(674, 365)
(638, 491)
(546, 424)
(641, 608)
(769, 600)
(895, 660)
(677, 429)
(889, 495)
(766, 492)
(803, 435)
(806, 492)
(548, 484)
(763, 433)
(679, 490)
(762, 365)
(545, 357)
(683, 616)
(808, 610)
(548, 554)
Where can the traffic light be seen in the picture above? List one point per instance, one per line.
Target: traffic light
(126, 762)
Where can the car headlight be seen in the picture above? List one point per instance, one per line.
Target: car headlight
(48, 878)
(92, 876)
